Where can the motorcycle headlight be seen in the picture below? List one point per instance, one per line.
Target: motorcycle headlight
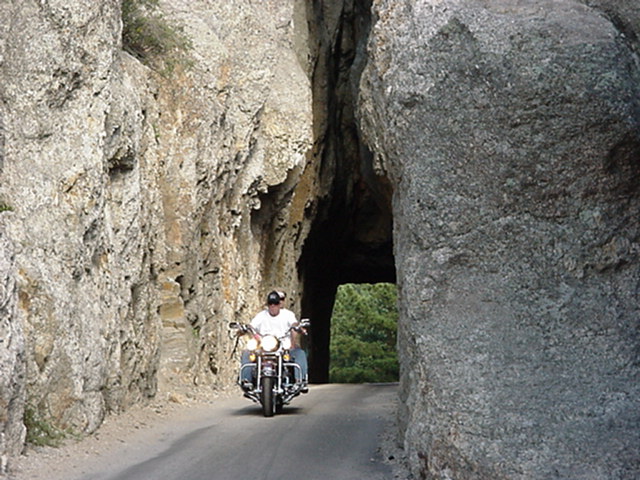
(286, 343)
(252, 344)
(269, 343)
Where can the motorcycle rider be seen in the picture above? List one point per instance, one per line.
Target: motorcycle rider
(276, 320)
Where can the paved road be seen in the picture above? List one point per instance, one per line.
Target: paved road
(333, 432)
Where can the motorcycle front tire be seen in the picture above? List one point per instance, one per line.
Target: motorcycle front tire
(266, 397)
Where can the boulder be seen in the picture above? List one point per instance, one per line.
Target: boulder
(511, 133)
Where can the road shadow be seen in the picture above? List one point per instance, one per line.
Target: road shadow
(256, 411)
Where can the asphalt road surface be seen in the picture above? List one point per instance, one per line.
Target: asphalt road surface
(333, 432)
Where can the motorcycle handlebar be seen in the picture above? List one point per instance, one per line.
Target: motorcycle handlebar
(241, 327)
(246, 328)
(302, 326)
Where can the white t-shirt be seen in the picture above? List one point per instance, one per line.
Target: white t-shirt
(265, 324)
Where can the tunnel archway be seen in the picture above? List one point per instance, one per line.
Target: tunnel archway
(350, 240)
(352, 244)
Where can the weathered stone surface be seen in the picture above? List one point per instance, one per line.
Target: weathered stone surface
(12, 369)
(511, 132)
(143, 205)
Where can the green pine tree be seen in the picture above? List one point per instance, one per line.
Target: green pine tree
(363, 334)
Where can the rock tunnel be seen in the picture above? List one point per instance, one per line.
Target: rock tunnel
(350, 240)
(350, 244)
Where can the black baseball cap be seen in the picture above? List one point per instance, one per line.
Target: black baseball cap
(273, 298)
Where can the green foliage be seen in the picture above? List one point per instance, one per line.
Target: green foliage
(41, 432)
(363, 334)
(147, 35)
(5, 207)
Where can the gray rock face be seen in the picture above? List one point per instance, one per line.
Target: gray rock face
(511, 131)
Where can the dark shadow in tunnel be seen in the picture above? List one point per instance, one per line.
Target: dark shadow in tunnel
(351, 244)
(331, 257)
(350, 240)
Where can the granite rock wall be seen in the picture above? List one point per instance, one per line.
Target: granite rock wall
(146, 209)
(511, 133)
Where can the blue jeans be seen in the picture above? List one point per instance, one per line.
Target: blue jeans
(298, 356)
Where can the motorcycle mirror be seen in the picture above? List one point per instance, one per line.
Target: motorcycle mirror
(234, 325)
(305, 322)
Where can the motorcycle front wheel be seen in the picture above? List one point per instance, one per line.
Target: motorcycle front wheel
(266, 397)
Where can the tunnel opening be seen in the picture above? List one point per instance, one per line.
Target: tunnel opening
(350, 239)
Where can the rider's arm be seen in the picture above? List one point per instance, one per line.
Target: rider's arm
(295, 336)
(295, 339)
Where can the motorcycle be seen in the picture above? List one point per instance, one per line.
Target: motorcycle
(272, 371)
